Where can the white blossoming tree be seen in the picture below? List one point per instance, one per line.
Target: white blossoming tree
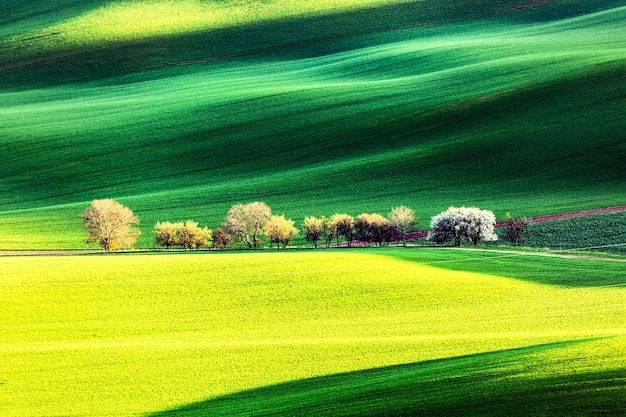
(459, 223)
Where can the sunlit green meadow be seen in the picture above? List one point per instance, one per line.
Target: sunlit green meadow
(134, 334)
(180, 109)
(355, 112)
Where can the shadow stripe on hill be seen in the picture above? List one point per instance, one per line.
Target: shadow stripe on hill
(493, 383)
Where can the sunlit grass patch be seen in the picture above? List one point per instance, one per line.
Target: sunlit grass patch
(119, 335)
(125, 21)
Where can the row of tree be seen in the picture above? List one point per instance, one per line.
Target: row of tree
(113, 226)
(246, 223)
(366, 228)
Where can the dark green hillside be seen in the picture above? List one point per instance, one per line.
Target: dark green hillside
(601, 232)
(512, 109)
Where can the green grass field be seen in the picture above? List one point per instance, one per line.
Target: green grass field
(363, 332)
(602, 232)
(311, 108)
(180, 109)
(592, 234)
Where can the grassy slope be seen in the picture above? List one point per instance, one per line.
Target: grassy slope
(601, 232)
(121, 335)
(512, 112)
(487, 384)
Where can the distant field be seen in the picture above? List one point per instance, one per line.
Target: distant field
(127, 335)
(601, 232)
(427, 104)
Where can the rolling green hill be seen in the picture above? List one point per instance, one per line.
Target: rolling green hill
(331, 332)
(313, 109)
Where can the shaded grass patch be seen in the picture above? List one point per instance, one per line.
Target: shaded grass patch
(533, 268)
(485, 384)
(602, 232)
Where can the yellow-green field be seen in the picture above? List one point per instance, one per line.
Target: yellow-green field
(134, 334)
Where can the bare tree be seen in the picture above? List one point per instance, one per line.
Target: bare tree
(516, 229)
(246, 221)
(403, 220)
(110, 224)
(343, 224)
(221, 237)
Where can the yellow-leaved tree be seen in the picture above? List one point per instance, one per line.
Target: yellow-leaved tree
(279, 230)
(110, 224)
(191, 236)
(403, 220)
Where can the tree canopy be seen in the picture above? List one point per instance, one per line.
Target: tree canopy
(373, 228)
(110, 224)
(279, 230)
(402, 219)
(166, 234)
(459, 223)
(191, 236)
(343, 225)
(221, 237)
(245, 221)
(313, 228)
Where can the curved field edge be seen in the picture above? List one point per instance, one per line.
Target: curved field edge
(517, 382)
(537, 268)
(148, 332)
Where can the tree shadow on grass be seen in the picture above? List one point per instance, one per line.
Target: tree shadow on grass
(486, 384)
